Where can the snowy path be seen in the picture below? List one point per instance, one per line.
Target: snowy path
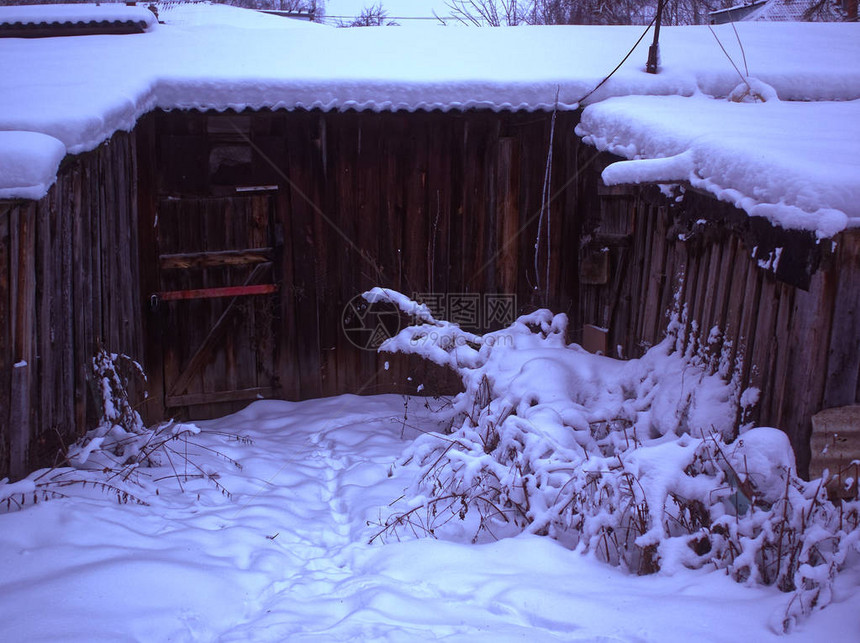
(286, 559)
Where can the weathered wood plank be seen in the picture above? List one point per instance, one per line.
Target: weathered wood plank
(306, 305)
(843, 361)
(6, 356)
(808, 338)
(23, 341)
(213, 259)
(19, 421)
(761, 357)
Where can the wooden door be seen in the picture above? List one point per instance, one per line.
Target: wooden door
(217, 302)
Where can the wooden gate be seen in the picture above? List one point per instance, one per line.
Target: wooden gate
(217, 307)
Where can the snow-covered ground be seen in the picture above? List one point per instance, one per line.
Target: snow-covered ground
(286, 557)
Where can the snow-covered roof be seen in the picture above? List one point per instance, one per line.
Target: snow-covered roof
(794, 163)
(203, 14)
(81, 90)
(736, 12)
(63, 15)
(795, 10)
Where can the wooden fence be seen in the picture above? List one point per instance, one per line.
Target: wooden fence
(68, 281)
(221, 251)
(798, 343)
(443, 203)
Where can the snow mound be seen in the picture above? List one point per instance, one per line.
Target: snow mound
(28, 164)
(764, 457)
(753, 90)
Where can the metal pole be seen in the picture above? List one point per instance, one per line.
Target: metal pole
(654, 49)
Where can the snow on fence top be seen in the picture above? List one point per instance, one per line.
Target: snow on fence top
(76, 14)
(794, 163)
(81, 90)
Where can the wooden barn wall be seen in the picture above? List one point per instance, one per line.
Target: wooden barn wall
(799, 345)
(422, 203)
(417, 202)
(68, 280)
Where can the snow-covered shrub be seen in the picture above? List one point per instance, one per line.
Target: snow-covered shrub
(120, 437)
(114, 453)
(636, 462)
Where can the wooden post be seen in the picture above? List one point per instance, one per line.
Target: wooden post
(19, 421)
(24, 302)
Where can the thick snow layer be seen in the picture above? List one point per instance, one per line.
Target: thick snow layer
(28, 164)
(75, 14)
(286, 557)
(81, 90)
(794, 163)
(199, 14)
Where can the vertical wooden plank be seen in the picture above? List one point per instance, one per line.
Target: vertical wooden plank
(571, 232)
(748, 319)
(394, 225)
(669, 271)
(704, 297)
(300, 159)
(710, 316)
(44, 366)
(761, 362)
(771, 411)
(5, 337)
(340, 159)
(439, 203)
(67, 311)
(735, 305)
(19, 421)
(702, 293)
(843, 360)
(722, 291)
(147, 257)
(363, 131)
(809, 336)
(288, 372)
(20, 430)
(652, 250)
(694, 279)
(507, 185)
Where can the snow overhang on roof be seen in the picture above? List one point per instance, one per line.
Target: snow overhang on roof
(796, 164)
(51, 20)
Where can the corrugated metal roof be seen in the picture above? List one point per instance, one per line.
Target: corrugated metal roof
(43, 21)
